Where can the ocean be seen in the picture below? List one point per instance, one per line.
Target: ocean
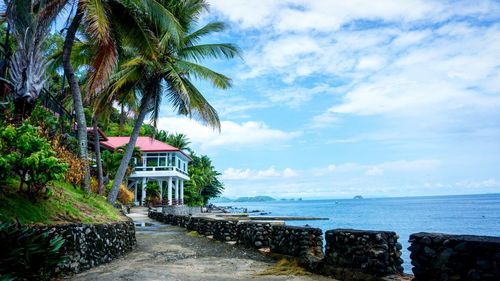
(461, 214)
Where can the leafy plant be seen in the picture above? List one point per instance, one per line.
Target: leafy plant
(75, 172)
(29, 254)
(23, 152)
(125, 196)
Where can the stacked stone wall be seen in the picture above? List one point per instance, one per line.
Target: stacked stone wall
(373, 252)
(296, 241)
(359, 254)
(89, 245)
(438, 256)
(254, 234)
(225, 230)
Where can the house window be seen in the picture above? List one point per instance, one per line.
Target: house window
(152, 161)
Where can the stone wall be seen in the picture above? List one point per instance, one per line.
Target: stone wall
(225, 230)
(254, 234)
(358, 254)
(296, 241)
(373, 252)
(89, 245)
(181, 210)
(438, 256)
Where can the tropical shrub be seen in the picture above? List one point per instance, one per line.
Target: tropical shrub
(27, 254)
(23, 152)
(125, 196)
(76, 165)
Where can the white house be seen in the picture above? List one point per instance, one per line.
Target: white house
(163, 163)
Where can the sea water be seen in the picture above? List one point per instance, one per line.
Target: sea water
(463, 214)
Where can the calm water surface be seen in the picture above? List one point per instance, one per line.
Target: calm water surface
(467, 214)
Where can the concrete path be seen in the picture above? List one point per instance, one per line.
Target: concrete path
(167, 252)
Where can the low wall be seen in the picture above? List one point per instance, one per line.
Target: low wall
(358, 254)
(225, 230)
(181, 210)
(372, 252)
(89, 245)
(254, 234)
(296, 241)
(438, 256)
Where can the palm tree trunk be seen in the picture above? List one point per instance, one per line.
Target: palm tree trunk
(75, 92)
(97, 148)
(122, 119)
(120, 174)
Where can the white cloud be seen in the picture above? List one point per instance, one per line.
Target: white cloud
(297, 96)
(232, 135)
(248, 174)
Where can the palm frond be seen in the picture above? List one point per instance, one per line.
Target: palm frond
(157, 14)
(204, 73)
(215, 51)
(99, 29)
(194, 37)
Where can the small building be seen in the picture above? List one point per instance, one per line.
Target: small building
(160, 162)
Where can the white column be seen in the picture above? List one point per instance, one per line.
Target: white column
(136, 203)
(169, 190)
(182, 192)
(177, 191)
(143, 199)
(161, 190)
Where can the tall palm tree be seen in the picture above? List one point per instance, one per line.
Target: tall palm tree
(168, 72)
(29, 21)
(99, 17)
(178, 140)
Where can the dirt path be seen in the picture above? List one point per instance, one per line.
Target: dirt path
(167, 253)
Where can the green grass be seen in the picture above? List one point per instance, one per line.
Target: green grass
(67, 204)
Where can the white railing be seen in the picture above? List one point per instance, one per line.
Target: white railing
(158, 168)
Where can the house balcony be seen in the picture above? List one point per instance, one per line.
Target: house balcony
(158, 172)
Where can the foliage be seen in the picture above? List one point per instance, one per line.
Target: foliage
(45, 119)
(68, 204)
(125, 196)
(28, 254)
(30, 21)
(75, 172)
(111, 161)
(29, 156)
(203, 184)
(166, 65)
(176, 140)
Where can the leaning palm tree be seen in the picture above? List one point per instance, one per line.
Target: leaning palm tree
(99, 17)
(168, 73)
(30, 22)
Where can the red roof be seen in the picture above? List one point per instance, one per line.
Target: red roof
(145, 144)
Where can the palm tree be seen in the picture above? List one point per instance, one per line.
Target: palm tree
(178, 140)
(29, 21)
(203, 179)
(99, 17)
(168, 71)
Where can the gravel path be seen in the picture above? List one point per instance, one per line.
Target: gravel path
(167, 253)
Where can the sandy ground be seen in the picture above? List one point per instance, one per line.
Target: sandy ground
(167, 253)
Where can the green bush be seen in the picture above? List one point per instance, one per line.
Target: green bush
(27, 254)
(23, 152)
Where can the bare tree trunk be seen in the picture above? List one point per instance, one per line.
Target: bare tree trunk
(75, 93)
(120, 174)
(97, 148)
(122, 119)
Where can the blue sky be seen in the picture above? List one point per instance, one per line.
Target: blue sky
(337, 98)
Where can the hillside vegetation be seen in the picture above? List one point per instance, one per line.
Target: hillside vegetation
(67, 204)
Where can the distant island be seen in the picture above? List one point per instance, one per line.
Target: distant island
(243, 199)
(358, 197)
